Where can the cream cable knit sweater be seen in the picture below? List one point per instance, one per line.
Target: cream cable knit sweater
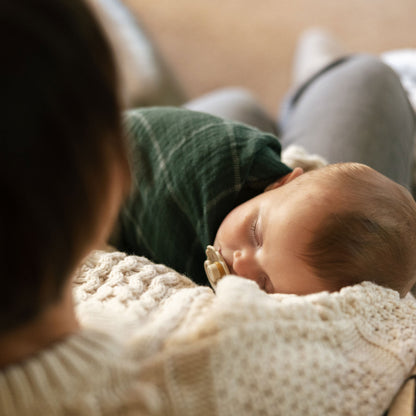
(178, 349)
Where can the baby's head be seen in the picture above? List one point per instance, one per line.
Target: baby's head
(323, 230)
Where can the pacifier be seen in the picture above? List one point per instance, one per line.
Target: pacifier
(215, 266)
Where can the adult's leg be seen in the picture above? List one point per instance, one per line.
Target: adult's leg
(354, 110)
(235, 104)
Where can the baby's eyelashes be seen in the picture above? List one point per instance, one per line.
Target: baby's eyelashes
(255, 232)
(253, 227)
(259, 231)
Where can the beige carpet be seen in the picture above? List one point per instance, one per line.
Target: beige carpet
(214, 43)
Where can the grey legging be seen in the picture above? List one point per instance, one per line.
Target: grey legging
(353, 110)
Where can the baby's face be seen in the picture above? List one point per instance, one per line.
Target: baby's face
(263, 238)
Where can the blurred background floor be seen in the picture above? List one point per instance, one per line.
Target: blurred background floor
(214, 43)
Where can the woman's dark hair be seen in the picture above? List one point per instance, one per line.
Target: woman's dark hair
(60, 134)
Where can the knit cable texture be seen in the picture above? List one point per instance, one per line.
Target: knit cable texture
(244, 352)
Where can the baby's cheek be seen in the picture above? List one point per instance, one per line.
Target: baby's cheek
(223, 232)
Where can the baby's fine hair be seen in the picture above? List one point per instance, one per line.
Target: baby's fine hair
(370, 232)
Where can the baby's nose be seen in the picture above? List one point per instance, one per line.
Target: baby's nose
(244, 265)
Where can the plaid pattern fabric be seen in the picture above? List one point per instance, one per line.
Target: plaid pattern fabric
(404, 404)
(190, 170)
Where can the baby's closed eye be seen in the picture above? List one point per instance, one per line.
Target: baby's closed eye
(255, 232)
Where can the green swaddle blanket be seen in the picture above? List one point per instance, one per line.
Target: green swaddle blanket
(190, 170)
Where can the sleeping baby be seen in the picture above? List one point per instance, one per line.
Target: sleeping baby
(202, 180)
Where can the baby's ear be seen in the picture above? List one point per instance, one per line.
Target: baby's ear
(285, 179)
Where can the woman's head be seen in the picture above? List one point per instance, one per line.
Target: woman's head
(62, 149)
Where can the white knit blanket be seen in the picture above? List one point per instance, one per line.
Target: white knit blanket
(241, 351)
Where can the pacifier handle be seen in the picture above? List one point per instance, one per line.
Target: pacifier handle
(215, 266)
